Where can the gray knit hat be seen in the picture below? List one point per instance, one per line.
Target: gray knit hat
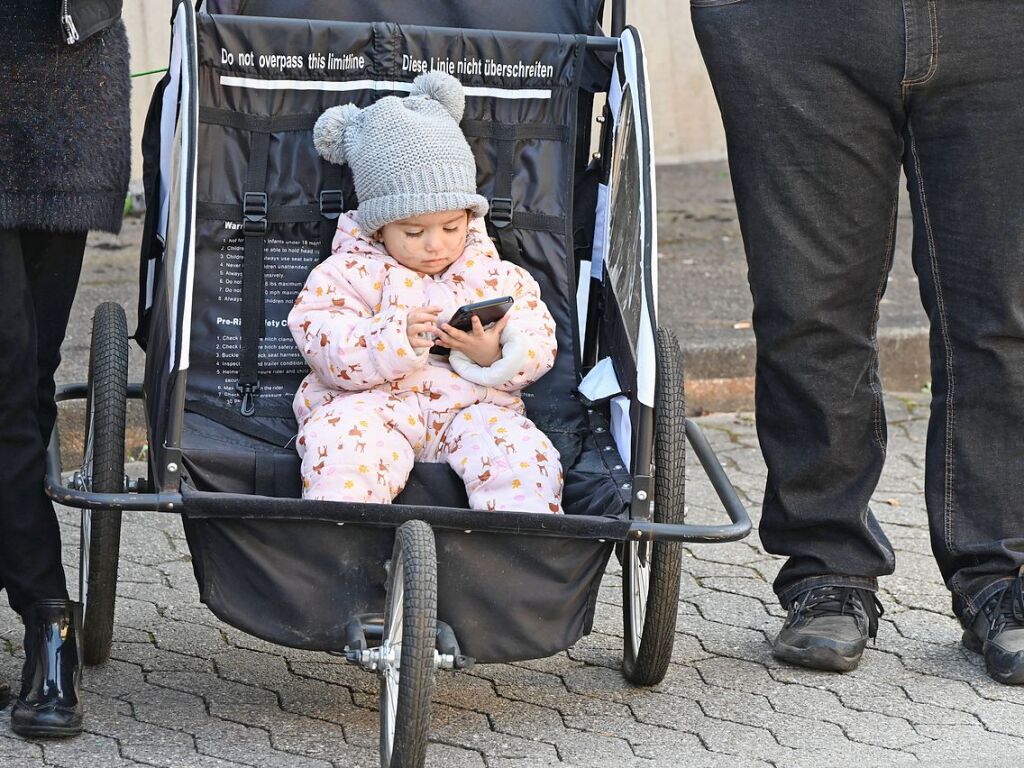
(408, 156)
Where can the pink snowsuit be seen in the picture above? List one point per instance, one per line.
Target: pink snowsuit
(371, 405)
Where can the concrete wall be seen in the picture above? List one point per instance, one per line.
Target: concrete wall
(149, 34)
(686, 122)
(687, 126)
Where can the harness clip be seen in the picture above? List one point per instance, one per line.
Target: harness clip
(331, 203)
(254, 208)
(500, 212)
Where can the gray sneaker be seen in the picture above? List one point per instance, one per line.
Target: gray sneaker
(828, 627)
(997, 633)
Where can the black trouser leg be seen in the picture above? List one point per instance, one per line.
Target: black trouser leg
(810, 98)
(38, 279)
(822, 101)
(965, 169)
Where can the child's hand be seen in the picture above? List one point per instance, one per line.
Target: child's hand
(482, 346)
(421, 326)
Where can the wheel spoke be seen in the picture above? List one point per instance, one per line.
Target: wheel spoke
(639, 586)
(391, 647)
(83, 558)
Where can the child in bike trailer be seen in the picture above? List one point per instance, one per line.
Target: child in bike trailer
(377, 399)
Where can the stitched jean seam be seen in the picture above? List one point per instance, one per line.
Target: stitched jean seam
(974, 603)
(947, 502)
(886, 267)
(933, 56)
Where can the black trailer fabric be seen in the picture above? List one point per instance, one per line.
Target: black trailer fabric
(297, 583)
(219, 459)
(167, 252)
(262, 83)
(564, 17)
(569, 17)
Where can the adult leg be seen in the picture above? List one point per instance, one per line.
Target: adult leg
(359, 448)
(506, 462)
(53, 265)
(965, 169)
(811, 102)
(30, 564)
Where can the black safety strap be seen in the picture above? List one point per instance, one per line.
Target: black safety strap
(259, 123)
(279, 214)
(501, 205)
(254, 227)
(332, 202)
(485, 129)
(255, 216)
(263, 479)
(504, 217)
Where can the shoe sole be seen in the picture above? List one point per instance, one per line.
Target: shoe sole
(823, 657)
(973, 643)
(46, 731)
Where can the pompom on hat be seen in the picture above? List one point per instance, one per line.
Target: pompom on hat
(408, 155)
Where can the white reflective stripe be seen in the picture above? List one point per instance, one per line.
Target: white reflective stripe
(374, 85)
(508, 93)
(150, 281)
(189, 135)
(601, 233)
(583, 300)
(172, 263)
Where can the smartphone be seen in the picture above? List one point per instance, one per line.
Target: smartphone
(489, 311)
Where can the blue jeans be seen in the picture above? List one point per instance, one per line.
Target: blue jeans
(823, 102)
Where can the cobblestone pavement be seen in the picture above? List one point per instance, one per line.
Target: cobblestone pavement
(183, 689)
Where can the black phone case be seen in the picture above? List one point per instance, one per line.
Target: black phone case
(489, 311)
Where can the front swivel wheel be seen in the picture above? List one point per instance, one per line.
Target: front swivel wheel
(407, 650)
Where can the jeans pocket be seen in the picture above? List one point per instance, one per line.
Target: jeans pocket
(712, 3)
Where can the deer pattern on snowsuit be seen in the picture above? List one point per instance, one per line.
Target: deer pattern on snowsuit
(371, 405)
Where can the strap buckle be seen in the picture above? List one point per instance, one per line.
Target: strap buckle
(331, 203)
(500, 212)
(254, 208)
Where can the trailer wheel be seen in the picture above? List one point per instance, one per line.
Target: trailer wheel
(103, 472)
(650, 570)
(407, 668)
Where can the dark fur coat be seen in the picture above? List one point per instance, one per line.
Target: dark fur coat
(65, 150)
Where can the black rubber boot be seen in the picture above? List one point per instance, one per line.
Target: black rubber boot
(49, 704)
(828, 627)
(997, 633)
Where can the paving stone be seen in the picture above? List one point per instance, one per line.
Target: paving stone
(966, 746)
(16, 752)
(472, 731)
(149, 658)
(89, 749)
(184, 689)
(733, 609)
(251, 746)
(861, 727)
